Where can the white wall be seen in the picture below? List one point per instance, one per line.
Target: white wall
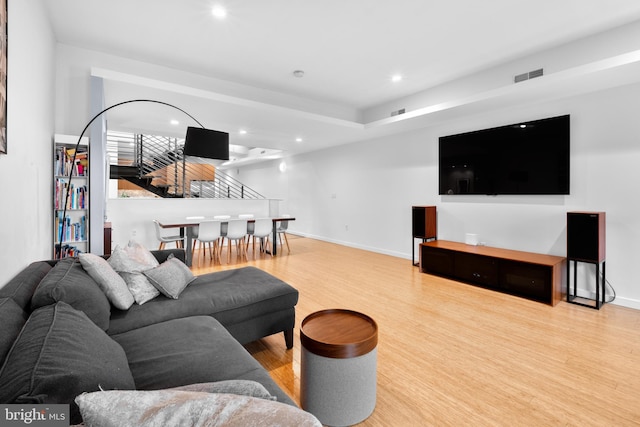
(25, 172)
(360, 195)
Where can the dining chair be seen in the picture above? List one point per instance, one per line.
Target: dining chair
(282, 228)
(223, 226)
(250, 225)
(177, 239)
(208, 235)
(237, 232)
(262, 230)
(194, 229)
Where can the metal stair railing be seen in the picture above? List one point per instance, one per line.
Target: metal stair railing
(163, 169)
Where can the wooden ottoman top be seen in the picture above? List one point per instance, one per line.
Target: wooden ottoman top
(339, 333)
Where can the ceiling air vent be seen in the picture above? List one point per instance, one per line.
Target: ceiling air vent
(395, 113)
(530, 75)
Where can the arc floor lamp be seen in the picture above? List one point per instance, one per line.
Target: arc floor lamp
(199, 142)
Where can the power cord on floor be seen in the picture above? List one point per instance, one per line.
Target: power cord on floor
(613, 291)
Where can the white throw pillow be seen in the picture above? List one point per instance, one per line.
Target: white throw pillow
(173, 408)
(113, 286)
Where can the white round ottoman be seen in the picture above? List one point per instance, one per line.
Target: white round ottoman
(338, 366)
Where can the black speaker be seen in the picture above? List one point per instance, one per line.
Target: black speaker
(586, 236)
(424, 222)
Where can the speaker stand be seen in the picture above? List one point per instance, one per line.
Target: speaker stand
(573, 298)
(413, 249)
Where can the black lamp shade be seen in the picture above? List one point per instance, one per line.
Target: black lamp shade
(201, 142)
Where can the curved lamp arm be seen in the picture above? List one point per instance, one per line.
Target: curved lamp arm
(73, 160)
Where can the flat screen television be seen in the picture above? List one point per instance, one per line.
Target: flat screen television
(522, 158)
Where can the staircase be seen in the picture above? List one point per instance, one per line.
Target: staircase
(157, 164)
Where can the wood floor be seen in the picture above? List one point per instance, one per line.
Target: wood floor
(451, 354)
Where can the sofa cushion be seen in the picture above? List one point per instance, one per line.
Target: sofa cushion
(69, 282)
(59, 354)
(23, 285)
(173, 408)
(231, 296)
(113, 286)
(170, 277)
(12, 319)
(130, 261)
(188, 351)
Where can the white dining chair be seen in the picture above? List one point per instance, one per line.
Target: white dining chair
(223, 228)
(209, 235)
(262, 230)
(250, 225)
(281, 230)
(194, 229)
(237, 232)
(164, 239)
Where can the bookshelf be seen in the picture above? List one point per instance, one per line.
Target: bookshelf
(76, 238)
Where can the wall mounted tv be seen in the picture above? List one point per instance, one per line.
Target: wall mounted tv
(522, 158)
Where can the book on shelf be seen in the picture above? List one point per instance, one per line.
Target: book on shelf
(73, 231)
(67, 251)
(77, 195)
(66, 165)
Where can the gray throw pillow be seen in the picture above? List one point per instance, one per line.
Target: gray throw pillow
(170, 277)
(130, 262)
(113, 286)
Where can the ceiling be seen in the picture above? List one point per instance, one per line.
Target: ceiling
(349, 50)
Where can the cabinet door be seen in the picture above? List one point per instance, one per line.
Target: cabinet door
(479, 269)
(436, 261)
(528, 280)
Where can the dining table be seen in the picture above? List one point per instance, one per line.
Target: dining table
(187, 223)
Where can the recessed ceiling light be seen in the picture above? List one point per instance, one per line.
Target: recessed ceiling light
(242, 132)
(174, 122)
(298, 73)
(396, 78)
(219, 12)
(298, 139)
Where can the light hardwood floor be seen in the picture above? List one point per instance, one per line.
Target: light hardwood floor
(451, 354)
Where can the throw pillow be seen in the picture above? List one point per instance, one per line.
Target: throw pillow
(140, 254)
(240, 387)
(113, 286)
(172, 408)
(67, 281)
(140, 287)
(130, 262)
(59, 354)
(170, 277)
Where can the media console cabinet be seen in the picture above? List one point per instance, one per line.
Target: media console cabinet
(533, 276)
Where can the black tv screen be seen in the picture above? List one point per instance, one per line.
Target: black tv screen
(522, 158)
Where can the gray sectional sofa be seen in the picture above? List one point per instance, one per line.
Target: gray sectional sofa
(61, 336)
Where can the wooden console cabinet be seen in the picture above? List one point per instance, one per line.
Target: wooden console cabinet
(533, 276)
